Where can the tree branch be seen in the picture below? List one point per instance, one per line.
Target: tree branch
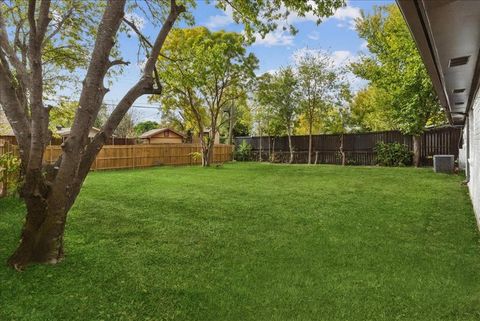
(118, 62)
(59, 26)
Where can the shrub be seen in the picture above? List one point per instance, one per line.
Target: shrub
(393, 154)
(196, 156)
(9, 173)
(242, 153)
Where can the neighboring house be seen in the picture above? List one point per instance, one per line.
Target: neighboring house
(65, 132)
(162, 136)
(447, 34)
(206, 133)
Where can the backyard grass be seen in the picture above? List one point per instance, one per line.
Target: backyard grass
(256, 242)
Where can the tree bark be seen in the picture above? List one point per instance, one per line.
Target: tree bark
(205, 154)
(290, 147)
(260, 147)
(310, 143)
(272, 156)
(49, 197)
(417, 145)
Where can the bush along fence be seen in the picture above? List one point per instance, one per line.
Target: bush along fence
(9, 170)
(348, 149)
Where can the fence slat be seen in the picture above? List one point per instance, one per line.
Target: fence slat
(359, 148)
(138, 156)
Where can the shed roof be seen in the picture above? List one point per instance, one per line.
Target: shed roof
(157, 131)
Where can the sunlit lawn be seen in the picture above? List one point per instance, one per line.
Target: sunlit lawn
(256, 242)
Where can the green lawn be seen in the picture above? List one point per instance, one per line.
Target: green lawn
(256, 242)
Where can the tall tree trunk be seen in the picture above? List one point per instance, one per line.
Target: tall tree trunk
(42, 235)
(50, 192)
(272, 156)
(207, 150)
(310, 143)
(205, 155)
(260, 147)
(231, 124)
(417, 145)
(290, 147)
(269, 148)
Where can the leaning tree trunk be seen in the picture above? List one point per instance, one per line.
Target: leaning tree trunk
(50, 192)
(417, 144)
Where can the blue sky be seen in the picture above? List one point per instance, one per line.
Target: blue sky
(335, 35)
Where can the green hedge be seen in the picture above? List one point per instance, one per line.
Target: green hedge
(393, 154)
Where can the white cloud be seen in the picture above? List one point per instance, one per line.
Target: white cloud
(274, 38)
(348, 15)
(364, 45)
(342, 58)
(221, 20)
(314, 36)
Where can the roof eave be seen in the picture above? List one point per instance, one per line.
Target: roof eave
(421, 32)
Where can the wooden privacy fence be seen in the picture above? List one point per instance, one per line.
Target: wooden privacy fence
(139, 156)
(358, 149)
(59, 140)
(4, 149)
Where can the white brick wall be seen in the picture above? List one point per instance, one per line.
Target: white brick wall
(474, 159)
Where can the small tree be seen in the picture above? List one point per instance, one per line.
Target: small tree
(319, 84)
(280, 93)
(215, 70)
(396, 67)
(145, 126)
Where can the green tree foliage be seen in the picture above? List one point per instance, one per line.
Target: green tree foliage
(204, 73)
(62, 115)
(279, 93)
(319, 90)
(393, 154)
(260, 17)
(370, 110)
(396, 67)
(145, 126)
(68, 44)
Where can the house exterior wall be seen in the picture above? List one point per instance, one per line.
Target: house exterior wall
(473, 160)
(166, 140)
(165, 137)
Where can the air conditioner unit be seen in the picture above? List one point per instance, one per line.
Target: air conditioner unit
(443, 163)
